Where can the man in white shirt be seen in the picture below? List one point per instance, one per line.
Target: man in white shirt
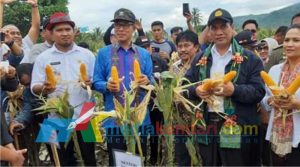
(65, 58)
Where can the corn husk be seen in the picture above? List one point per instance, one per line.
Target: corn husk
(130, 116)
(15, 101)
(58, 105)
(168, 99)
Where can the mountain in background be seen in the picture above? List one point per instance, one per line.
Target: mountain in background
(271, 20)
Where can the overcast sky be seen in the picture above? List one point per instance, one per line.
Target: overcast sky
(98, 13)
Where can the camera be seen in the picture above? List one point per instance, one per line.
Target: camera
(155, 49)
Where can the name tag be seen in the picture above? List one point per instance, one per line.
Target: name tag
(55, 63)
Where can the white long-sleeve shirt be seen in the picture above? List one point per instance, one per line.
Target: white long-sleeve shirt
(66, 66)
(275, 72)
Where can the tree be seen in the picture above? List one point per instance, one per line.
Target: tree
(197, 19)
(19, 13)
(94, 39)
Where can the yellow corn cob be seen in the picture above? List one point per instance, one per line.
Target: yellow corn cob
(115, 74)
(267, 79)
(207, 84)
(294, 86)
(136, 70)
(83, 72)
(50, 76)
(229, 76)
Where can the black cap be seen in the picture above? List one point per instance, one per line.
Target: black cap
(44, 24)
(176, 29)
(221, 14)
(124, 14)
(245, 38)
(142, 41)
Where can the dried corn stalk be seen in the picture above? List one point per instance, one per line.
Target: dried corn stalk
(131, 115)
(168, 97)
(14, 103)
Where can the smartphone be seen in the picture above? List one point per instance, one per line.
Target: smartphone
(185, 8)
(2, 36)
(155, 49)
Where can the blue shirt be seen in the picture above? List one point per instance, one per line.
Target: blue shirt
(102, 73)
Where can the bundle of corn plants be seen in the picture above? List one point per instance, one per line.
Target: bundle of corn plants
(131, 115)
(61, 107)
(14, 101)
(168, 97)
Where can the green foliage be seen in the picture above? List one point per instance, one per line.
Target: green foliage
(197, 19)
(265, 33)
(94, 39)
(271, 20)
(19, 13)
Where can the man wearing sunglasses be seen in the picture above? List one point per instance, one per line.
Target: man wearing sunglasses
(251, 25)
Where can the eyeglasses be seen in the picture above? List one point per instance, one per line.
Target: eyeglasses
(262, 48)
(122, 24)
(252, 30)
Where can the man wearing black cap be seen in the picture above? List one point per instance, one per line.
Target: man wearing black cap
(174, 32)
(236, 100)
(122, 55)
(245, 39)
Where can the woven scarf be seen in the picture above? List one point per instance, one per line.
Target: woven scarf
(236, 48)
(281, 138)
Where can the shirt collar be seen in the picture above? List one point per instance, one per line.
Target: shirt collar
(74, 49)
(48, 44)
(215, 52)
(132, 46)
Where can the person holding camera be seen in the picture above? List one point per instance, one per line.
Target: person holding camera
(161, 46)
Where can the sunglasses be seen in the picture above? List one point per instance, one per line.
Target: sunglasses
(252, 30)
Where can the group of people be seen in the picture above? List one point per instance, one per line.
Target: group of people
(218, 50)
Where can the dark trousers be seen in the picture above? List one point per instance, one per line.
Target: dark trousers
(66, 155)
(116, 141)
(156, 118)
(265, 146)
(291, 159)
(213, 155)
(182, 157)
